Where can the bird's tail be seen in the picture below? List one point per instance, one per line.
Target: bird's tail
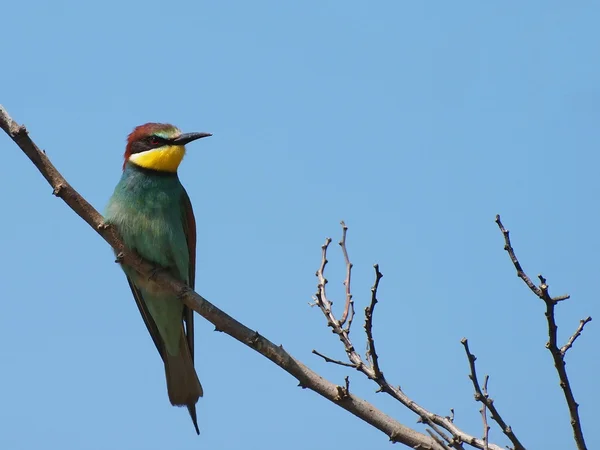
(183, 385)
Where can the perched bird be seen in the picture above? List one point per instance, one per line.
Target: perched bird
(153, 213)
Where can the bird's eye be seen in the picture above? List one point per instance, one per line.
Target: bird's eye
(155, 140)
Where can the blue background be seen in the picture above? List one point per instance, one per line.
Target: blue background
(415, 122)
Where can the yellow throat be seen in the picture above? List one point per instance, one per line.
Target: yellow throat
(164, 159)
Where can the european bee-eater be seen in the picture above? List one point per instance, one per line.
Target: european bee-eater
(153, 213)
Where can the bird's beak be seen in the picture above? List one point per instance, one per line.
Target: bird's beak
(189, 137)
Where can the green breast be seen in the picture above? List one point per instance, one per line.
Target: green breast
(146, 208)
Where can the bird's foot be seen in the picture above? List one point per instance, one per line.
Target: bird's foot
(154, 273)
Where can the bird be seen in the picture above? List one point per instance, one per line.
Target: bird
(153, 213)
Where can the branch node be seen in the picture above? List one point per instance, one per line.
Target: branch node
(253, 340)
(343, 392)
(451, 416)
(58, 189)
(183, 292)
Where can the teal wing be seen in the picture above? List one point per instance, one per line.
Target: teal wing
(189, 228)
(150, 324)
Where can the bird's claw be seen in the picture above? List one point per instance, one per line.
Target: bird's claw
(154, 273)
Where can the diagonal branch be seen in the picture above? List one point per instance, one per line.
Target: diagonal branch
(333, 361)
(222, 321)
(558, 355)
(488, 402)
(571, 341)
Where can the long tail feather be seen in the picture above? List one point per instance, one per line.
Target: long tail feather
(183, 385)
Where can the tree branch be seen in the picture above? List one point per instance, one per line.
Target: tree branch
(558, 355)
(349, 306)
(486, 427)
(333, 361)
(371, 352)
(488, 402)
(571, 341)
(371, 368)
(223, 322)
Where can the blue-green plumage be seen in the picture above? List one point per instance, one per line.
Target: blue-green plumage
(147, 210)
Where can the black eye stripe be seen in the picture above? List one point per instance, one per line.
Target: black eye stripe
(156, 140)
(148, 143)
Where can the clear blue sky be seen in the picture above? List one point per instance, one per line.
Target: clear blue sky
(415, 122)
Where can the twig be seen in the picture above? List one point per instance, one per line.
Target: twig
(451, 441)
(508, 247)
(438, 440)
(488, 402)
(325, 305)
(344, 391)
(305, 376)
(371, 352)
(451, 416)
(571, 341)
(542, 292)
(486, 428)
(349, 306)
(435, 421)
(333, 361)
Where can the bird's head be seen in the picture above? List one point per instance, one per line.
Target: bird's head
(158, 146)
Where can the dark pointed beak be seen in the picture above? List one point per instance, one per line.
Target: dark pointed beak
(189, 137)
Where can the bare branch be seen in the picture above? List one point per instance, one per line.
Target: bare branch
(349, 306)
(451, 441)
(436, 422)
(333, 361)
(438, 440)
(508, 247)
(222, 321)
(486, 428)
(488, 402)
(571, 341)
(542, 292)
(371, 352)
(325, 305)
